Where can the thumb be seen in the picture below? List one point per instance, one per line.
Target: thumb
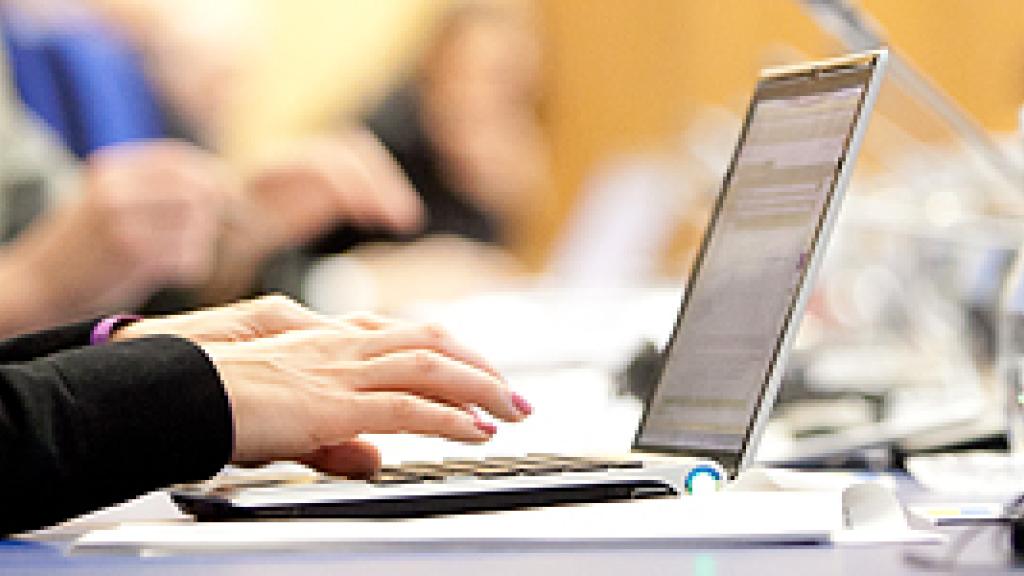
(354, 459)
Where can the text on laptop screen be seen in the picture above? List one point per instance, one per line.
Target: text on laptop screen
(754, 260)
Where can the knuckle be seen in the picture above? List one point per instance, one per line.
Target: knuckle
(275, 302)
(356, 317)
(434, 332)
(321, 344)
(401, 409)
(272, 306)
(451, 421)
(348, 374)
(425, 361)
(359, 320)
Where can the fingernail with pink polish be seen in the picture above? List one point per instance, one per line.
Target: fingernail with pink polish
(486, 427)
(521, 404)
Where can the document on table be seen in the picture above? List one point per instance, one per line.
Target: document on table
(857, 515)
(724, 518)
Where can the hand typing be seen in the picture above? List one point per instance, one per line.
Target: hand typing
(305, 386)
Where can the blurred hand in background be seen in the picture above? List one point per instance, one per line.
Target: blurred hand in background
(323, 181)
(148, 216)
(347, 178)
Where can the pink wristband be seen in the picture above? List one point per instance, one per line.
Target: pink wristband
(105, 328)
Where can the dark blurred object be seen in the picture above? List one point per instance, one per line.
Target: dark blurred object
(812, 412)
(23, 200)
(1017, 537)
(398, 122)
(640, 376)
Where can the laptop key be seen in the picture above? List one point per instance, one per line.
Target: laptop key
(391, 479)
(494, 472)
(539, 469)
(458, 469)
(618, 464)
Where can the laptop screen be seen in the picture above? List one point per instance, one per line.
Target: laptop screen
(752, 266)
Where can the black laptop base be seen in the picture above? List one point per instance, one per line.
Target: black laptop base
(206, 507)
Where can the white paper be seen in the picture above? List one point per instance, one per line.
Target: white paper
(995, 476)
(764, 506)
(782, 480)
(154, 506)
(871, 512)
(723, 518)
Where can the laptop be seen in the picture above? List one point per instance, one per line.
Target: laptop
(723, 363)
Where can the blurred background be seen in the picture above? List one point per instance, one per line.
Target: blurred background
(614, 80)
(570, 150)
(618, 78)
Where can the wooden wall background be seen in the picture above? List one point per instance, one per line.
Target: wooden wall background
(623, 75)
(630, 75)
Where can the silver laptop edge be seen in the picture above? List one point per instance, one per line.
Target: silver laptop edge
(877, 60)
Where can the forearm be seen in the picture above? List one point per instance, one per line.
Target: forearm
(94, 426)
(26, 301)
(57, 272)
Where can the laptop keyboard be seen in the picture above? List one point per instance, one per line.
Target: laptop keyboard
(419, 489)
(419, 472)
(496, 467)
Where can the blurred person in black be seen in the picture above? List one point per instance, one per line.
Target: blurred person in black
(464, 126)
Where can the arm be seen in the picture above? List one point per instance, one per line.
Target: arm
(38, 344)
(97, 425)
(147, 217)
(92, 426)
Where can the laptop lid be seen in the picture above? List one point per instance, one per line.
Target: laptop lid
(754, 270)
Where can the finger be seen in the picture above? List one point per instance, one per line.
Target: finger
(397, 199)
(354, 459)
(353, 194)
(255, 320)
(369, 321)
(338, 176)
(374, 170)
(276, 314)
(424, 337)
(399, 413)
(435, 376)
(175, 170)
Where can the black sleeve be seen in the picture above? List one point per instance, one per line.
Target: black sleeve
(96, 425)
(38, 344)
